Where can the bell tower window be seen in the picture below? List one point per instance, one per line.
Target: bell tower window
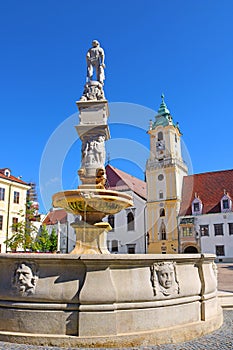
(160, 136)
(162, 212)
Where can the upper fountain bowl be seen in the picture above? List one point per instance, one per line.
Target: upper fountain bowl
(92, 203)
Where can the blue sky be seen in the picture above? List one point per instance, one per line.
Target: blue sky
(182, 48)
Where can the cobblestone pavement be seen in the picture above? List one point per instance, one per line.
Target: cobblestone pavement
(225, 277)
(222, 339)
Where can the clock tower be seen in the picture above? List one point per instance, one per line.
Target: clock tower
(165, 170)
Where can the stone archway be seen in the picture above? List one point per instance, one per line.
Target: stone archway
(190, 250)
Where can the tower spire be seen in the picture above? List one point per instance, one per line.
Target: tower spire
(163, 110)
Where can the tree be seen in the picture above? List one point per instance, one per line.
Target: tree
(53, 241)
(42, 242)
(22, 232)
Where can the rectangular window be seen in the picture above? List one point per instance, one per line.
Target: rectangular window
(111, 221)
(196, 207)
(160, 195)
(225, 204)
(219, 250)
(2, 194)
(204, 229)
(187, 231)
(1, 221)
(131, 248)
(16, 197)
(218, 229)
(114, 246)
(14, 224)
(230, 224)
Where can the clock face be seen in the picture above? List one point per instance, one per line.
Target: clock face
(160, 146)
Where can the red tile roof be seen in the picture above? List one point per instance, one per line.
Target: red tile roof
(11, 177)
(118, 180)
(209, 187)
(54, 216)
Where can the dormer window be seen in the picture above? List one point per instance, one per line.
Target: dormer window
(226, 203)
(197, 206)
(7, 172)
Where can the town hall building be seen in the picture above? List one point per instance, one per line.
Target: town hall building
(165, 170)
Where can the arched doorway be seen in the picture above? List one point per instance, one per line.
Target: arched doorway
(190, 250)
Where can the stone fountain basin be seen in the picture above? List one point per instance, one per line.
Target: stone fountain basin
(103, 201)
(108, 300)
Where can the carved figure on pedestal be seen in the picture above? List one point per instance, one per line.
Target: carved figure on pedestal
(99, 147)
(93, 152)
(24, 279)
(95, 61)
(93, 91)
(164, 279)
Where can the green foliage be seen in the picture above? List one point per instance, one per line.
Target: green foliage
(53, 241)
(22, 233)
(42, 242)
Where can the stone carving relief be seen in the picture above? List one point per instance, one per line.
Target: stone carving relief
(215, 270)
(93, 91)
(24, 278)
(164, 279)
(93, 153)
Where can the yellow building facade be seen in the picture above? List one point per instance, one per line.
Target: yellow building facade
(13, 196)
(164, 175)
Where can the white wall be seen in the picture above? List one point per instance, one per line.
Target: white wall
(208, 243)
(122, 235)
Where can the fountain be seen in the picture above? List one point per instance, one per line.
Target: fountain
(90, 298)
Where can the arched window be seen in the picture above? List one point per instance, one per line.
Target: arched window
(160, 194)
(163, 235)
(114, 246)
(162, 212)
(111, 221)
(130, 221)
(160, 136)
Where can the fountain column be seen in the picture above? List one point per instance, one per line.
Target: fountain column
(91, 200)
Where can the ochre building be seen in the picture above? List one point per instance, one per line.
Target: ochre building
(165, 170)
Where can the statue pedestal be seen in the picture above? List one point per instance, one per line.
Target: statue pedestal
(91, 239)
(93, 132)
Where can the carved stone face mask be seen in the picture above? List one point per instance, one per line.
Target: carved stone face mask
(166, 277)
(24, 278)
